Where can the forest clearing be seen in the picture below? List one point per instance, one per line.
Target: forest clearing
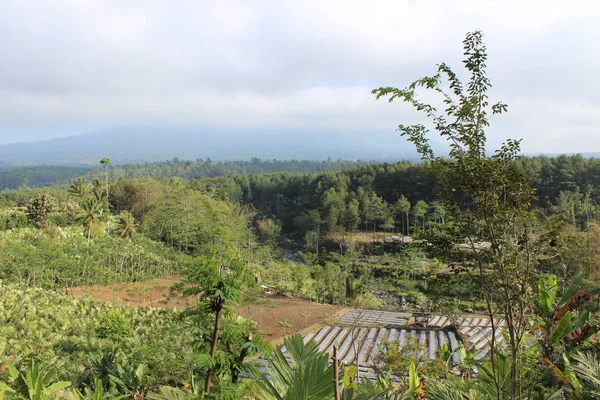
(276, 316)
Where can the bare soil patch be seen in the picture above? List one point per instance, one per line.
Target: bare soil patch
(276, 316)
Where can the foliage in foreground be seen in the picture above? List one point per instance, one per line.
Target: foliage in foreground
(83, 339)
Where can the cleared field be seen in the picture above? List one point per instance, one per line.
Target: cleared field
(276, 316)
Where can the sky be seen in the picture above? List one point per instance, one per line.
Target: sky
(73, 66)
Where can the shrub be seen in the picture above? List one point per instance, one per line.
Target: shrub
(114, 326)
(12, 219)
(40, 209)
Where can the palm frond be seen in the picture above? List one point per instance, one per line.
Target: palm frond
(587, 367)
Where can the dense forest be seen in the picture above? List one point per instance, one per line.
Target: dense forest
(395, 197)
(285, 189)
(38, 176)
(507, 240)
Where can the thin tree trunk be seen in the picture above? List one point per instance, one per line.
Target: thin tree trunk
(514, 373)
(318, 238)
(106, 170)
(213, 347)
(336, 374)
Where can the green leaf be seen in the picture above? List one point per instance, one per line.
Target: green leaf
(571, 376)
(594, 292)
(168, 393)
(563, 328)
(13, 371)
(581, 321)
(557, 373)
(413, 377)
(55, 387)
(4, 388)
(309, 378)
(349, 376)
(573, 286)
(547, 288)
(139, 372)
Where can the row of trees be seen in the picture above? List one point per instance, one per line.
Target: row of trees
(386, 197)
(395, 197)
(13, 178)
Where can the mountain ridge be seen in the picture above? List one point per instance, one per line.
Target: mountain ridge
(131, 145)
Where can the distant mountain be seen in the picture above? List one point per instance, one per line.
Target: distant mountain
(138, 144)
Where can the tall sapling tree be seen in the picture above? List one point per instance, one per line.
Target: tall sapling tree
(487, 197)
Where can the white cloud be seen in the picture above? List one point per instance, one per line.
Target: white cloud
(83, 63)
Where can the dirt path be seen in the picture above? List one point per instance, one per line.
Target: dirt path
(276, 316)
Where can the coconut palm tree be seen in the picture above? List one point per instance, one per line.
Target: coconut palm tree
(80, 188)
(91, 216)
(97, 190)
(126, 226)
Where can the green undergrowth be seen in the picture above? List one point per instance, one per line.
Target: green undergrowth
(59, 257)
(86, 339)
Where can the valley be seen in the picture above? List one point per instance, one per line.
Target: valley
(470, 274)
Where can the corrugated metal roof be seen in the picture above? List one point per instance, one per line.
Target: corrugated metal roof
(477, 331)
(363, 342)
(359, 334)
(374, 317)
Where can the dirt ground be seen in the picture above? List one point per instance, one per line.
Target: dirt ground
(276, 316)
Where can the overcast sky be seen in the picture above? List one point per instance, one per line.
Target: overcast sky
(72, 66)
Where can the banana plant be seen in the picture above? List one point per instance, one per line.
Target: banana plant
(559, 321)
(37, 383)
(564, 325)
(131, 380)
(169, 393)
